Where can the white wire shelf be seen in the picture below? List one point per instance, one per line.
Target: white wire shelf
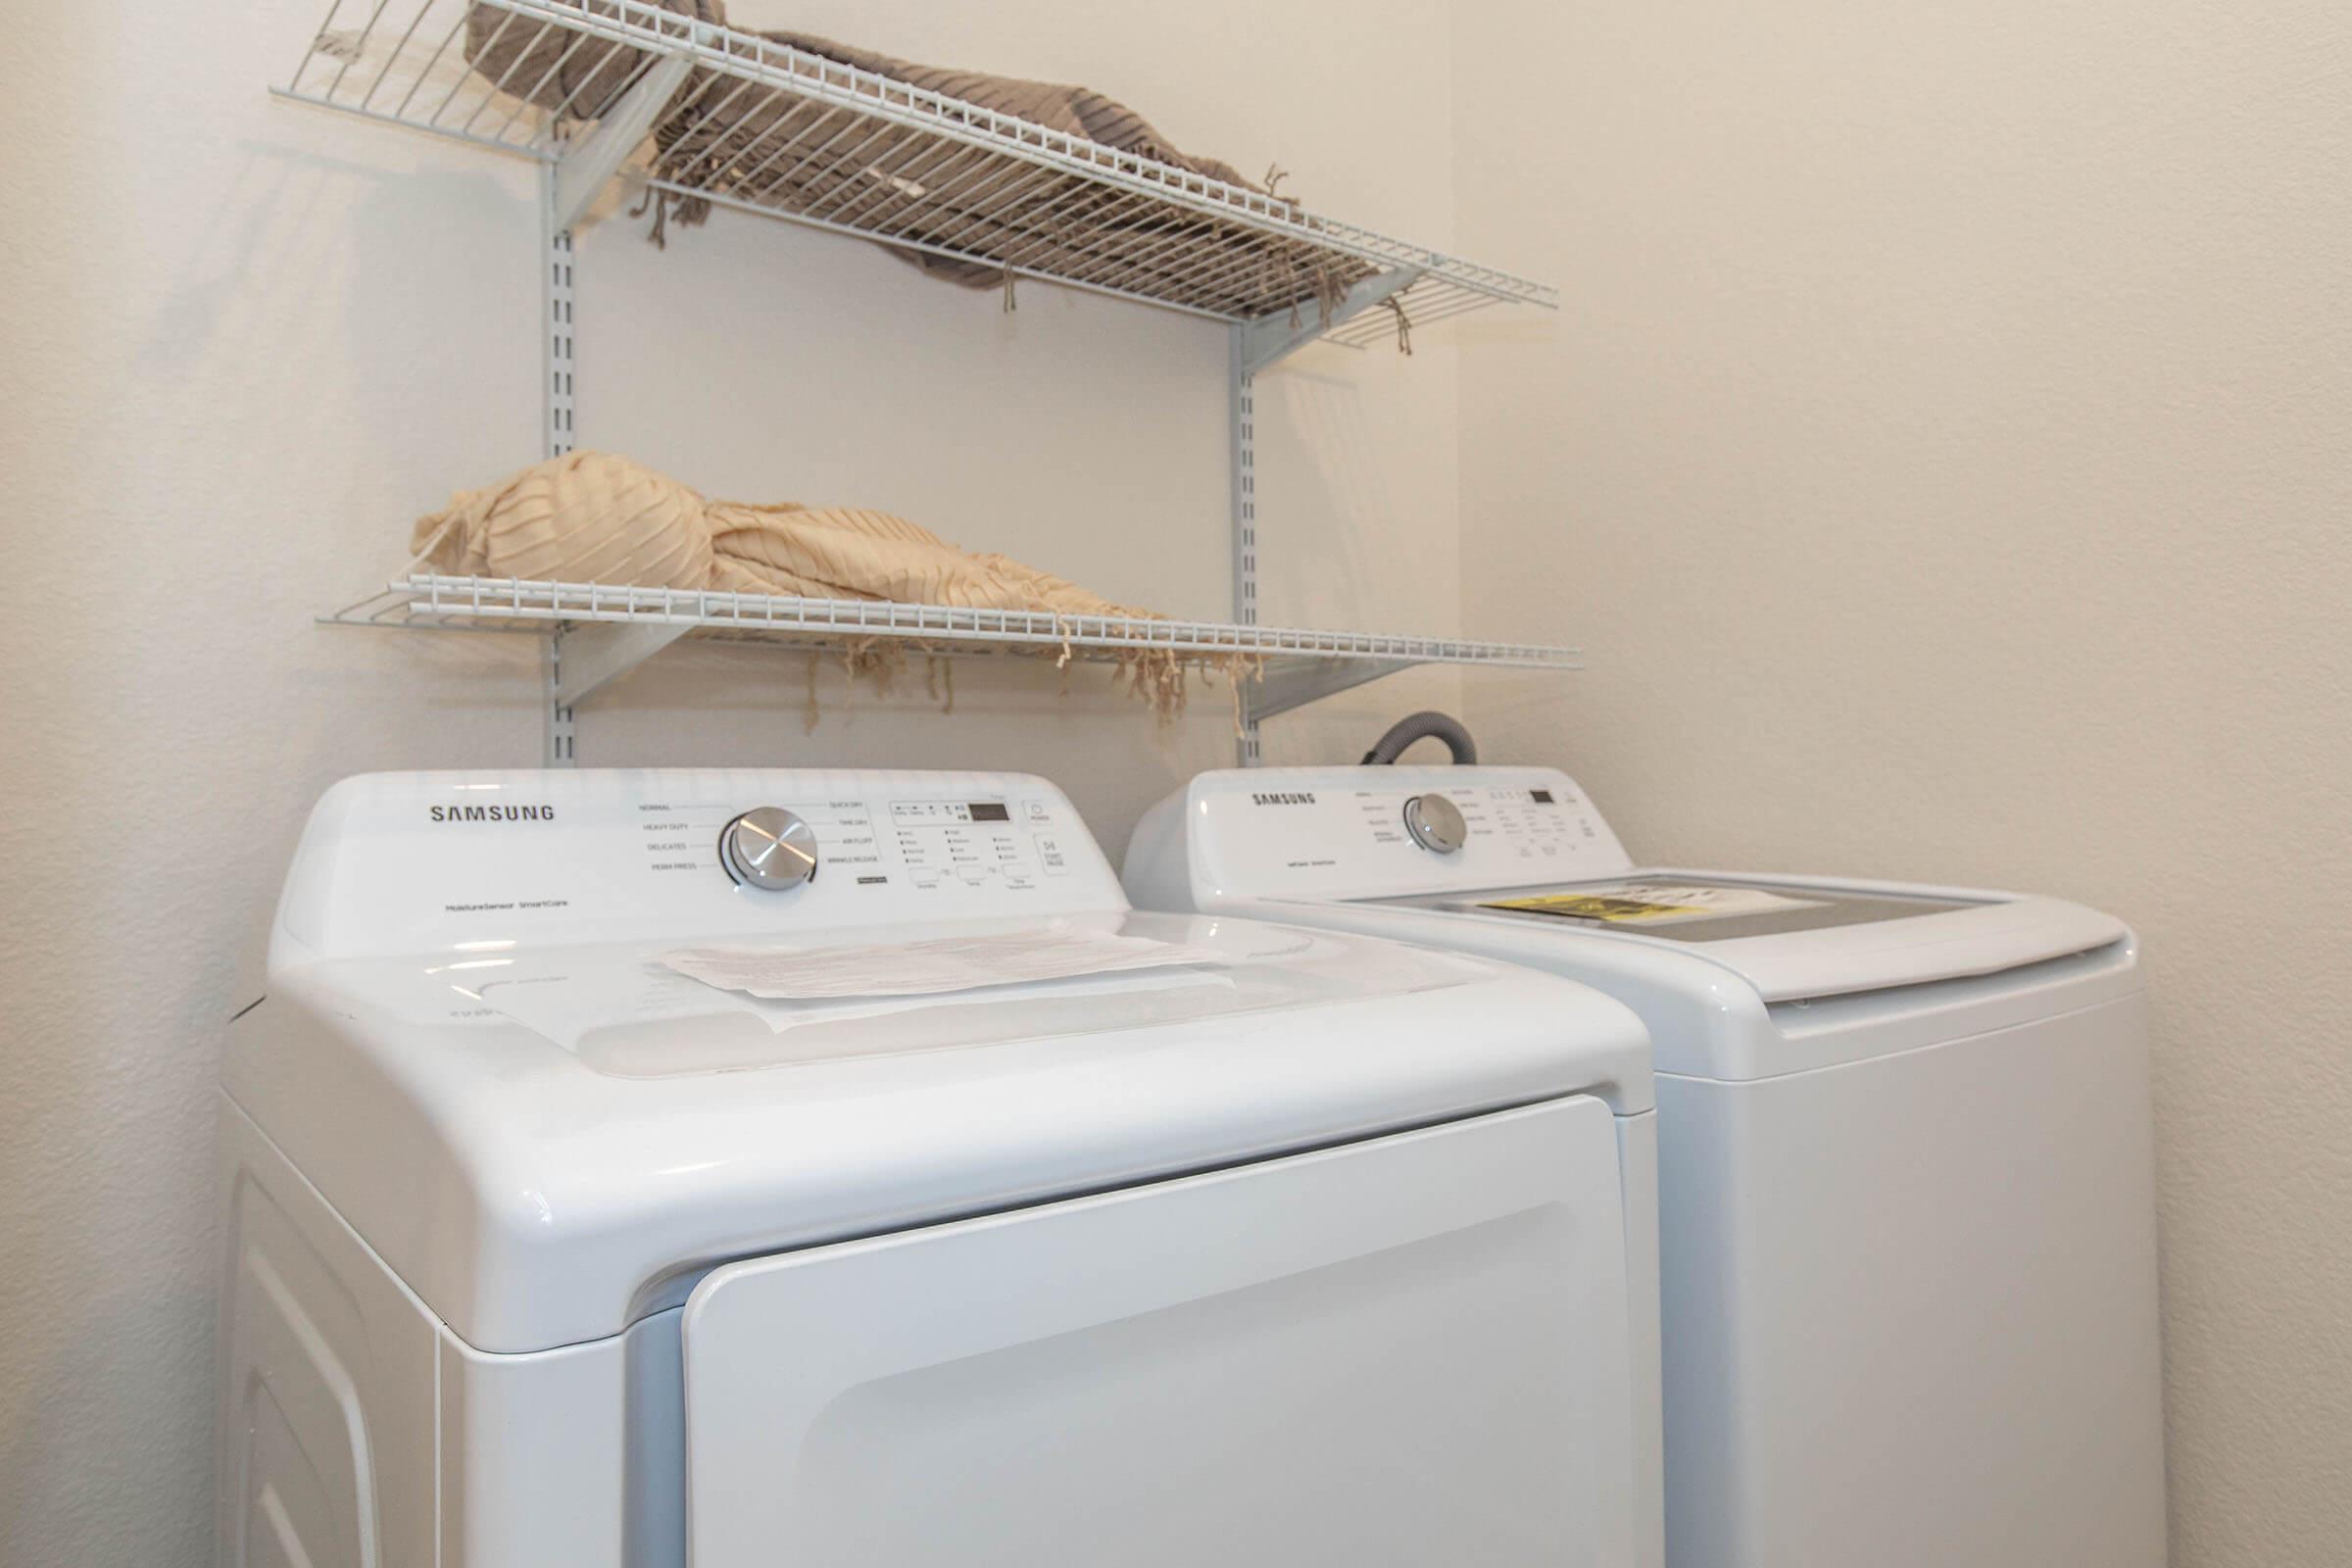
(1282, 666)
(751, 124)
(507, 604)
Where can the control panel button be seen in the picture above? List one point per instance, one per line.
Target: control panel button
(1436, 824)
(768, 847)
(1049, 851)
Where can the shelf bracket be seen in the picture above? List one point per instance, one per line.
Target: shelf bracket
(594, 654)
(584, 168)
(1271, 339)
(580, 659)
(1288, 683)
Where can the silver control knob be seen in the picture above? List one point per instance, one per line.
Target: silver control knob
(768, 847)
(1436, 824)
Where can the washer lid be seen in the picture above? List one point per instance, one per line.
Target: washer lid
(623, 1013)
(1797, 938)
(549, 1143)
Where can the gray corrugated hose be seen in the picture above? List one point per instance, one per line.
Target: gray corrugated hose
(1414, 726)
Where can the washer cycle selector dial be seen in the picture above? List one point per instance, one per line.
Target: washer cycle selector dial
(1436, 824)
(768, 847)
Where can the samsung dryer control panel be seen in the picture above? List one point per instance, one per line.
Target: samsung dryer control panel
(412, 863)
(1349, 832)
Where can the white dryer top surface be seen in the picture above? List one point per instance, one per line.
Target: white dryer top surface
(548, 1134)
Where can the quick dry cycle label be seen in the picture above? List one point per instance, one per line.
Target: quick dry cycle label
(1651, 903)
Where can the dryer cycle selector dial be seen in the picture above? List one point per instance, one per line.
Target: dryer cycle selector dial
(768, 847)
(1436, 824)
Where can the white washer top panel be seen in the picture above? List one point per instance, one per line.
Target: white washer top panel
(1329, 845)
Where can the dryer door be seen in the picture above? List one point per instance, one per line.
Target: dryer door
(1409, 1350)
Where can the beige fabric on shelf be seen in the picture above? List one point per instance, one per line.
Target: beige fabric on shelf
(596, 517)
(554, 67)
(701, 146)
(555, 70)
(782, 151)
(1072, 110)
(850, 553)
(585, 518)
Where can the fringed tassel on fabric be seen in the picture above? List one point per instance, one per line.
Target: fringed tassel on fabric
(665, 206)
(1159, 677)
(1404, 327)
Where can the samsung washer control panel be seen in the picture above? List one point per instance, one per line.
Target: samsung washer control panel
(407, 862)
(1356, 832)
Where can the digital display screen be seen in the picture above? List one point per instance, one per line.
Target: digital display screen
(1543, 797)
(989, 812)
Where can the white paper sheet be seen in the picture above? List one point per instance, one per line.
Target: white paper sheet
(927, 969)
(574, 1008)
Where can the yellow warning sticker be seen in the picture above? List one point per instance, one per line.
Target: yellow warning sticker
(1650, 903)
(1593, 907)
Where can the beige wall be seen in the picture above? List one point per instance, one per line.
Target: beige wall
(1945, 452)
(241, 343)
(1942, 452)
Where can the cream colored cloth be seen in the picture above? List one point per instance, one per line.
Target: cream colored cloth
(593, 516)
(557, 70)
(789, 153)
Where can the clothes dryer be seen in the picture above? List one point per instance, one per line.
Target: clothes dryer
(739, 1167)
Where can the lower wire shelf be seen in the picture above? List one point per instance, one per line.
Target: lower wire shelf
(606, 629)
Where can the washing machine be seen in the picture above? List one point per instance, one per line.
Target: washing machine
(753, 1167)
(1907, 1224)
